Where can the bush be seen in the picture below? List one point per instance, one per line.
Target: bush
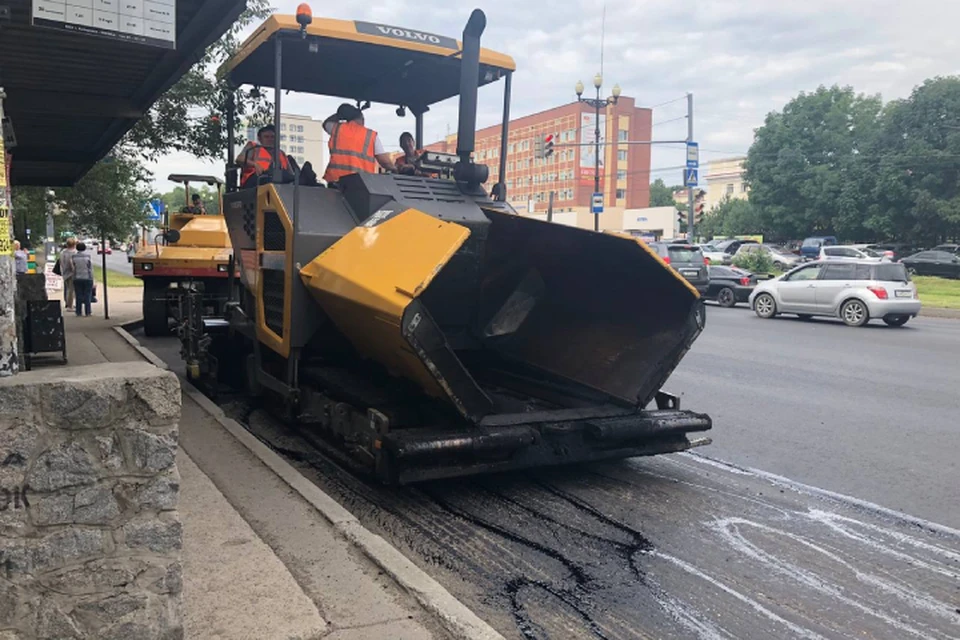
(754, 261)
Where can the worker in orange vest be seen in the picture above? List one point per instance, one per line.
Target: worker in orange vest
(257, 159)
(353, 147)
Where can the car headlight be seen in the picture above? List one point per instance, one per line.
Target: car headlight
(222, 268)
(147, 266)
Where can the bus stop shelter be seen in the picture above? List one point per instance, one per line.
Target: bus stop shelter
(77, 78)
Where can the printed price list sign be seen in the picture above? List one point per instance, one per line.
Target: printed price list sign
(149, 22)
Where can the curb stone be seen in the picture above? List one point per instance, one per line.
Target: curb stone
(453, 615)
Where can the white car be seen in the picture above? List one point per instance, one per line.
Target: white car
(854, 291)
(714, 255)
(842, 252)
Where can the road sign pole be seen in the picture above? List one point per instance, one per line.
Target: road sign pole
(690, 235)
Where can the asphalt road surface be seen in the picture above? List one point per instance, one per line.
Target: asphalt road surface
(117, 261)
(686, 546)
(871, 412)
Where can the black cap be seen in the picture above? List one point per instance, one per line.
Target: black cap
(348, 112)
(266, 128)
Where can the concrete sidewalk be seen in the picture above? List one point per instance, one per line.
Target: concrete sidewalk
(259, 561)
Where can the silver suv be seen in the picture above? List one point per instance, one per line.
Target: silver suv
(854, 291)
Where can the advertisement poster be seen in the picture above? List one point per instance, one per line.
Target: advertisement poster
(588, 138)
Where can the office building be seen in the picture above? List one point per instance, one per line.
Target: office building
(569, 172)
(302, 138)
(724, 178)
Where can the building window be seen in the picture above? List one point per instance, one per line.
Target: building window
(622, 155)
(743, 187)
(621, 174)
(525, 145)
(623, 135)
(729, 189)
(283, 126)
(283, 137)
(621, 194)
(511, 147)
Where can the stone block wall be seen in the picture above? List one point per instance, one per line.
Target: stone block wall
(90, 537)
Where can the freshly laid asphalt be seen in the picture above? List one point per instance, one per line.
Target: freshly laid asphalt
(695, 545)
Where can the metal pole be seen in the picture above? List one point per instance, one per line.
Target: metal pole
(690, 235)
(501, 194)
(49, 246)
(9, 359)
(550, 208)
(103, 266)
(596, 161)
(278, 87)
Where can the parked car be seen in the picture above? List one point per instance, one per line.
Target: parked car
(714, 255)
(685, 259)
(898, 250)
(933, 263)
(731, 246)
(949, 248)
(854, 291)
(105, 249)
(782, 259)
(729, 285)
(810, 247)
(840, 252)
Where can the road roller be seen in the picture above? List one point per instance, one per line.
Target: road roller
(418, 323)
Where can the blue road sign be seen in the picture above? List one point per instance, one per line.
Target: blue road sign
(156, 210)
(596, 203)
(693, 155)
(690, 177)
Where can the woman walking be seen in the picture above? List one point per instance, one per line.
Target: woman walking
(82, 278)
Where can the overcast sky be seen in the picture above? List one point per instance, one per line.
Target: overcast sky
(740, 58)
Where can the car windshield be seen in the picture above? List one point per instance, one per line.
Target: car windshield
(812, 242)
(685, 254)
(892, 273)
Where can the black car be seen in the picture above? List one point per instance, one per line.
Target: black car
(933, 263)
(949, 248)
(685, 259)
(729, 285)
(899, 250)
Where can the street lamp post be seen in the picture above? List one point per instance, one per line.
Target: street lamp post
(597, 104)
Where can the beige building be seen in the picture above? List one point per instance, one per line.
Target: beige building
(724, 178)
(302, 138)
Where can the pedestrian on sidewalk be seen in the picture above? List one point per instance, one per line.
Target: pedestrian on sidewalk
(20, 256)
(83, 278)
(67, 271)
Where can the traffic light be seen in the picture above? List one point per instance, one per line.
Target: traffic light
(681, 216)
(548, 145)
(538, 146)
(698, 212)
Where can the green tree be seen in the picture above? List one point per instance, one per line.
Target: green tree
(190, 115)
(809, 165)
(917, 189)
(732, 217)
(661, 195)
(108, 201)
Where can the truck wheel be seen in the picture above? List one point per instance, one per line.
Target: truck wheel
(854, 313)
(765, 306)
(726, 297)
(155, 313)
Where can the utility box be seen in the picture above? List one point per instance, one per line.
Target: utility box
(43, 330)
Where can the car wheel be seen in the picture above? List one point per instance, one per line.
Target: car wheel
(912, 271)
(726, 297)
(765, 306)
(896, 321)
(805, 316)
(854, 313)
(779, 266)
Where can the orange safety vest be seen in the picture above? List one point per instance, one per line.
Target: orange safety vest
(351, 151)
(263, 159)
